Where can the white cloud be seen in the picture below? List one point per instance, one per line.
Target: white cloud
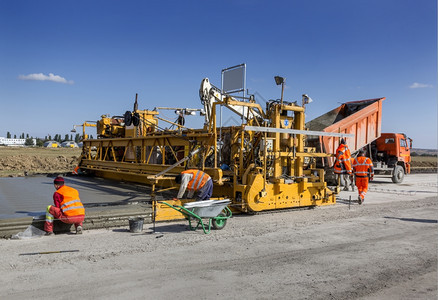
(417, 85)
(42, 77)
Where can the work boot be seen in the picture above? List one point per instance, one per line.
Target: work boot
(359, 200)
(79, 230)
(50, 233)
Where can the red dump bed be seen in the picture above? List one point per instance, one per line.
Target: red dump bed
(362, 118)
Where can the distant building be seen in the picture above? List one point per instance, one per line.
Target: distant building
(14, 142)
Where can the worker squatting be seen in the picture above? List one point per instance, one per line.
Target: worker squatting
(67, 207)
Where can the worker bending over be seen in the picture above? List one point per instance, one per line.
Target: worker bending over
(362, 169)
(342, 166)
(68, 207)
(195, 181)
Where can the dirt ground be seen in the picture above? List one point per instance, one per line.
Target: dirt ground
(423, 162)
(18, 161)
(383, 249)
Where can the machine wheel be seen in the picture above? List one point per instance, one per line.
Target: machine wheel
(398, 175)
(219, 223)
(128, 118)
(136, 119)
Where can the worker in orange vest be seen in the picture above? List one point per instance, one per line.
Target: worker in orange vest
(342, 166)
(68, 207)
(363, 170)
(76, 171)
(195, 181)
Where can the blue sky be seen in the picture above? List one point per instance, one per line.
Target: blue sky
(65, 62)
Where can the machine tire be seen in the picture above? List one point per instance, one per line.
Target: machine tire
(128, 118)
(136, 119)
(398, 174)
(219, 224)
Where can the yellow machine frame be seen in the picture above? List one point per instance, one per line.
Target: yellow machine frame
(263, 164)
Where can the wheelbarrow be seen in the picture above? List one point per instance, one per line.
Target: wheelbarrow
(216, 211)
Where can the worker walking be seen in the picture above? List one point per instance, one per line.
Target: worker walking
(342, 166)
(363, 170)
(195, 181)
(68, 207)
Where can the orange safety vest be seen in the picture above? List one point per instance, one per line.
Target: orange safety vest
(343, 160)
(198, 180)
(363, 167)
(71, 205)
(76, 171)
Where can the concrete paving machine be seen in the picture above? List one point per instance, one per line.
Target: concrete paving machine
(261, 164)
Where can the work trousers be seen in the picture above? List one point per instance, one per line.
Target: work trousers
(205, 192)
(56, 213)
(362, 186)
(344, 180)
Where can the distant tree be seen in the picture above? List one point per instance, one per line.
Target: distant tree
(39, 142)
(8, 135)
(15, 136)
(22, 136)
(27, 135)
(28, 142)
(414, 154)
(77, 138)
(49, 138)
(66, 137)
(71, 137)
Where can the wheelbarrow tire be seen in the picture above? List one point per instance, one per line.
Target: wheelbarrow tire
(218, 224)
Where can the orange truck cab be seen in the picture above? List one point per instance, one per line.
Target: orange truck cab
(391, 155)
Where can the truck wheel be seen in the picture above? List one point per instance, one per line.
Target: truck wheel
(398, 175)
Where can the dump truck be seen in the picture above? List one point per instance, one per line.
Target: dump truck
(261, 164)
(391, 155)
(390, 152)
